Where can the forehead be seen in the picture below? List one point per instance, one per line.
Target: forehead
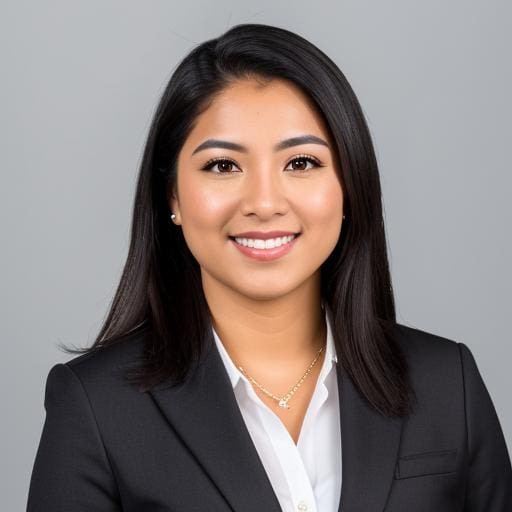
(249, 109)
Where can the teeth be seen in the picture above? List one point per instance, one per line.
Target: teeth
(265, 244)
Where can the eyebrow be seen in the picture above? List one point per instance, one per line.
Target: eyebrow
(286, 143)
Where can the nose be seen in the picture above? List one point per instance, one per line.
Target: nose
(264, 193)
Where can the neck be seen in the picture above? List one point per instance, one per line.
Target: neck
(268, 335)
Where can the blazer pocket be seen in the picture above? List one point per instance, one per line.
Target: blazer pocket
(426, 463)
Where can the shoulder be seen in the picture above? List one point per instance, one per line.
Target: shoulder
(107, 362)
(443, 372)
(427, 352)
(435, 363)
(425, 349)
(414, 340)
(100, 374)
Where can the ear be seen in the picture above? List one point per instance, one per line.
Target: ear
(174, 206)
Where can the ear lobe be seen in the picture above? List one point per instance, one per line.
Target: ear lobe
(173, 203)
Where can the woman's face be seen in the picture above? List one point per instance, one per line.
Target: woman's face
(261, 187)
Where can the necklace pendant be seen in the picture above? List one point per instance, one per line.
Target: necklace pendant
(283, 403)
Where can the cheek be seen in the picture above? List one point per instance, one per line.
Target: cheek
(203, 206)
(324, 206)
(204, 213)
(322, 213)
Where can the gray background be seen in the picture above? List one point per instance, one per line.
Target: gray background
(80, 81)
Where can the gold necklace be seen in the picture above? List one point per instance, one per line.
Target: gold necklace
(283, 401)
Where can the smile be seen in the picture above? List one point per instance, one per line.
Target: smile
(265, 244)
(265, 250)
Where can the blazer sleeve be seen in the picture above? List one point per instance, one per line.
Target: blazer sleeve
(489, 483)
(71, 472)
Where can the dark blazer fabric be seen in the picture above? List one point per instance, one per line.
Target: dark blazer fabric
(107, 446)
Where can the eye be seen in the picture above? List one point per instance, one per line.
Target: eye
(305, 158)
(225, 164)
(218, 161)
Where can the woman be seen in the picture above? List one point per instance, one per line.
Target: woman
(251, 359)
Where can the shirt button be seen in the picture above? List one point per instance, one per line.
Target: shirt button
(302, 506)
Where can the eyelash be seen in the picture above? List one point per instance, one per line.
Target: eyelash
(208, 166)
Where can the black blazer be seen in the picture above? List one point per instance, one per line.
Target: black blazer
(106, 446)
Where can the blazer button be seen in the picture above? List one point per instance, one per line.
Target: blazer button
(302, 506)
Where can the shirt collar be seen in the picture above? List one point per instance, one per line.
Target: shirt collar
(330, 352)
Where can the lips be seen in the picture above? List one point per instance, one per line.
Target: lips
(266, 254)
(261, 235)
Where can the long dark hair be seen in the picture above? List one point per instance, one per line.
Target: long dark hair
(160, 295)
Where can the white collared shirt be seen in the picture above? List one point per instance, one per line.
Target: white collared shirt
(305, 477)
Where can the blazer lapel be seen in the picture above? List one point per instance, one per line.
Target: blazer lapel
(370, 445)
(205, 414)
